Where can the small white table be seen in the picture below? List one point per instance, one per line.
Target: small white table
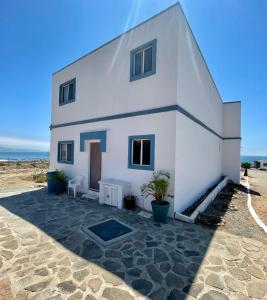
(112, 191)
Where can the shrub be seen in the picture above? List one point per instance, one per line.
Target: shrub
(59, 177)
(39, 178)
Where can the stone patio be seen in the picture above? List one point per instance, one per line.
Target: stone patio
(44, 254)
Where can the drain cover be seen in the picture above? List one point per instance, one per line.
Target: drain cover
(109, 231)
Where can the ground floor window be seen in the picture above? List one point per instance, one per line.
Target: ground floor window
(141, 152)
(66, 152)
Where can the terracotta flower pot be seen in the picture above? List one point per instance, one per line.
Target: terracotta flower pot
(129, 202)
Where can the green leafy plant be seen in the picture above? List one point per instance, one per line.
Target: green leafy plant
(246, 165)
(157, 186)
(59, 177)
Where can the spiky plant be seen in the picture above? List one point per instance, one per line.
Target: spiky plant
(157, 186)
(59, 176)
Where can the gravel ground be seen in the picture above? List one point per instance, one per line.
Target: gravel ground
(16, 176)
(231, 206)
(258, 183)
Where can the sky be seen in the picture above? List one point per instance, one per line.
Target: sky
(39, 37)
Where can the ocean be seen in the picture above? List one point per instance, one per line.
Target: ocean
(18, 156)
(251, 159)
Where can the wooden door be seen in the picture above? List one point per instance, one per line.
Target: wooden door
(95, 166)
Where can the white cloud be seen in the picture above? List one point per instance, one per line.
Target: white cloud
(23, 144)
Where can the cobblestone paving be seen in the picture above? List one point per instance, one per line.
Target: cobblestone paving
(44, 254)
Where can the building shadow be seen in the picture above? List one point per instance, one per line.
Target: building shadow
(160, 261)
(214, 214)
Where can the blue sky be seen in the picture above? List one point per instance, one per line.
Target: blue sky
(39, 37)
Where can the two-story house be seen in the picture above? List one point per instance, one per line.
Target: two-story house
(145, 101)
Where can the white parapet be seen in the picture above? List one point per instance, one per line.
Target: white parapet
(232, 140)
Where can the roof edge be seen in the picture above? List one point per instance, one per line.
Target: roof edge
(231, 102)
(117, 37)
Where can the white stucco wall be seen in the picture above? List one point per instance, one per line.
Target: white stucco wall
(231, 159)
(232, 119)
(198, 162)
(115, 160)
(102, 78)
(231, 147)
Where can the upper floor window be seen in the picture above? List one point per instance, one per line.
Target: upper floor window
(66, 152)
(141, 152)
(67, 92)
(143, 61)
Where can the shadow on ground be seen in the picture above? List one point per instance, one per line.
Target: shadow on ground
(160, 261)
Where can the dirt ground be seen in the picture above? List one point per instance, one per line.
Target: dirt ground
(17, 175)
(258, 184)
(229, 213)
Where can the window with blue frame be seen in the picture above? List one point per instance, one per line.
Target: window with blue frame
(143, 61)
(67, 92)
(141, 152)
(66, 152)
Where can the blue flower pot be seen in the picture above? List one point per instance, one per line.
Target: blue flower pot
(160, 211)
(60, 187)
(50, 182)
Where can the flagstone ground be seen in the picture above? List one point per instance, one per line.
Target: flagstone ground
(45, 254)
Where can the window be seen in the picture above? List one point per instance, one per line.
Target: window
(143, 61)
(66, 152)
(141, 152)
(67, 92)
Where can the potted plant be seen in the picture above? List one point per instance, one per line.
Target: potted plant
(129, 201)
(157, 188)
(60, 181)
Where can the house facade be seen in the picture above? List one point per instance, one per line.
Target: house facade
(145, 101)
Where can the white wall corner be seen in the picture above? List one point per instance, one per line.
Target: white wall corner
(232, 140)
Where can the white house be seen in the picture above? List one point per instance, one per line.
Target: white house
(260, 164)
(145, 101)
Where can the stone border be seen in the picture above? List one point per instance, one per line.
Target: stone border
(204, 204)
(107, 243)
(252, 210)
